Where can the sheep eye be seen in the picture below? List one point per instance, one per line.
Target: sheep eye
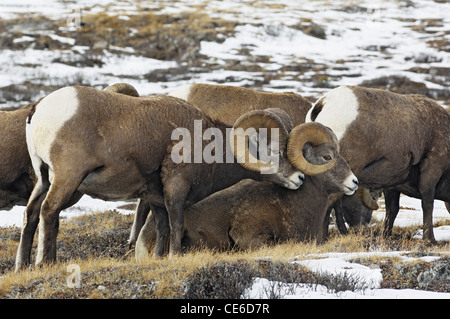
(327, 157)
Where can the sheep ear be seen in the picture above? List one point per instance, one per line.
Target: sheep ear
(316, 134)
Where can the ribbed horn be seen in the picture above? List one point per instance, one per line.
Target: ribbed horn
(123, 88)
(314, 133)
(268, 118)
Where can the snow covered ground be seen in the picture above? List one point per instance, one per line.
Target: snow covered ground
(363, 41)
(337, 263)
(262, 286)
(86, 205)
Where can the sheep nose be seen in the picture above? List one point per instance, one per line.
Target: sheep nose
(355, 180)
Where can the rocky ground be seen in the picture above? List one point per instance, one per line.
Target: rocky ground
(307, 48)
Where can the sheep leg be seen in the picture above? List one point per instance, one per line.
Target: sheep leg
(176, 220)
(162, 229)
(392, 204)
(324, 221)
(140, 217)
(30, 222)
(175, 196)
(427, 194)
(31, 219)
(427, 208)
(339, 215)
(146, 238)
(429, 177)
(59, 194)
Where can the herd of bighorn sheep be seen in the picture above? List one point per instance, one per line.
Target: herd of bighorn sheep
(115, 145)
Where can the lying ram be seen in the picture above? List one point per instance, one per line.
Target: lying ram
(391, 140)
(252, 214)
(111, 146)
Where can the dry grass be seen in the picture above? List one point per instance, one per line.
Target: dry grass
(159, 36)
(97, 244)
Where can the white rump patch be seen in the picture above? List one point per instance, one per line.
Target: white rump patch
(182, 92)
(51, 114)
(340, 108)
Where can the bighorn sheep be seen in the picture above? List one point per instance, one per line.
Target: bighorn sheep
(251, 213)
(348, 209)
(226, 104)
(16, 172)
(391, 140)
(114, 146)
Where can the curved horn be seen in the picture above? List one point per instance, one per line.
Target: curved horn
(284, 117)
(316, 134)
(365, 198)
(268, 118)
(123, 88)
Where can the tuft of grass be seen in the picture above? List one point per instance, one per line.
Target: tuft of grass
(220, 281)
(432, 276)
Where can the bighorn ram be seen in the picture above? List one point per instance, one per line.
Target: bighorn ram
(111, 146)
(348, 209)
(226, 103)
(16, 172)
(391, 140)
(251, 213)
